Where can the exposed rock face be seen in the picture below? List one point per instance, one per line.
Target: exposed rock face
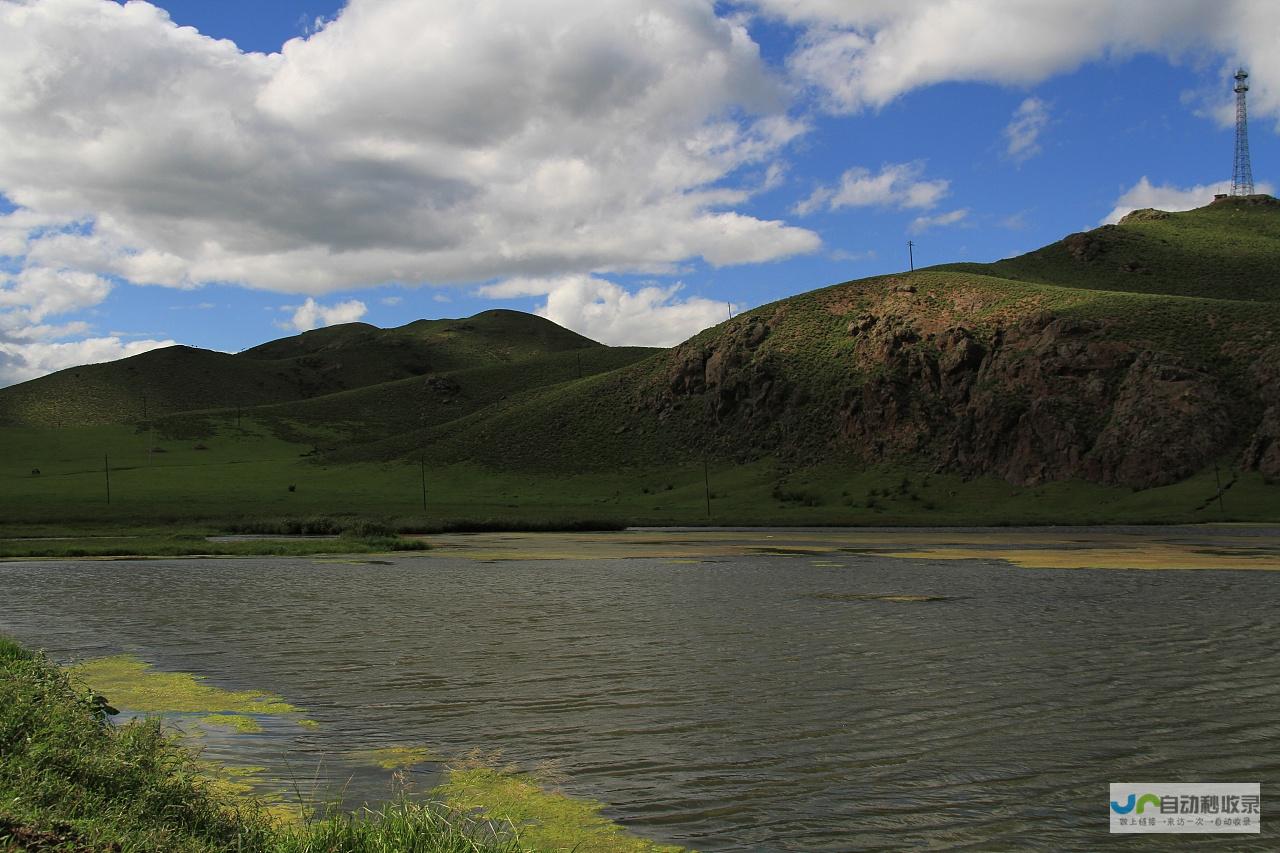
(1046, 398)
(1166, 423)
(730, 375)
(1263, 451)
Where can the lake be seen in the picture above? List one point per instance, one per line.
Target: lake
(734, 690)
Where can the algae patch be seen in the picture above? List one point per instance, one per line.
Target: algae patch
(237, 785)
(239, 722)
(871, 596)
(133, 684)
(543, 819)
(396, 757)
(1143, 556)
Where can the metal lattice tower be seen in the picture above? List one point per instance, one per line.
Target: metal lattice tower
(1242, 174)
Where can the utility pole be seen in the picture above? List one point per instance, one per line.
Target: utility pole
(106, 470)
(706, 482)
(911, 255)
(1218, 480)
(422, 463)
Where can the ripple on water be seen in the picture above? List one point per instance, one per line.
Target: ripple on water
(759, 703)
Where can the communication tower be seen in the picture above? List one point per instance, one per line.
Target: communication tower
(1242, 174)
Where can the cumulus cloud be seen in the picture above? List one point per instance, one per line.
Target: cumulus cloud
(1169, 197)
(312, 315)
(39, 292)
(398, 142)
(30, 346)
(942, 220)
(865, 54)
(1022, 134)
(605, 311)
(895, 185)
(22, 361)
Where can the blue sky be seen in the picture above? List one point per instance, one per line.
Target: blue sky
(626, 168)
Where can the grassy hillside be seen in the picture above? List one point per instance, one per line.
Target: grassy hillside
(973, 369)
(607, 421)
(488, 337)
(375, 412)
(1226, 250)
(1066, 385)
(324, 361)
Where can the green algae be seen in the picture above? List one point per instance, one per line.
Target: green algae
(241, 786)
(239, 722)
(871, 596)
(396, 757)
(133, 684)
(543, 819)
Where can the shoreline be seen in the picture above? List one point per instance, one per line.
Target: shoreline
(1201, 547)
(72, 779)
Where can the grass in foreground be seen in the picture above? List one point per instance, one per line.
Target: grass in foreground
(546, 819)
(70, 780)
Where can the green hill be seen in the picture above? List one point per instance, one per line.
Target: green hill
(1037, 369)
(1129, 373)
(312, 364)
(1226, 250)
(375, 412)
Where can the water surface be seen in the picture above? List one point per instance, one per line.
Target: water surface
(816, 699)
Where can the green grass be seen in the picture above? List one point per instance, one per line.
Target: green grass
(1226, 250)
(545, 819)
(523, 424)
(71, 780)
(325, 361)
(239, 484)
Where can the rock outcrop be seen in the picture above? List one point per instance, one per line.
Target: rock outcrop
(1263, 450)
(1048, 397)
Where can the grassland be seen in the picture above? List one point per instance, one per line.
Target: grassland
(168, 503)
(324, 361)
(509, 420)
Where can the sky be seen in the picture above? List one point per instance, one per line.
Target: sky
(221, 174)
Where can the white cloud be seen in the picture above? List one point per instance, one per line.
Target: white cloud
(1169, 197)
(865, 54)
(942, 220)
(391, 300)
(312, 315)
(610, 313)
(16, 229)
(1022, 134)
(399, 142)
(22, 361)
(845, 255)
(31, 347)
(38, 292)
(895, 185)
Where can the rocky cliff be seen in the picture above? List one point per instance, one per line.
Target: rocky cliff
(989, 378)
